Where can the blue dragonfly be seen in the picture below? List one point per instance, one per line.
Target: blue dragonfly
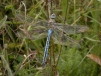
(51, 21)
(59, 32)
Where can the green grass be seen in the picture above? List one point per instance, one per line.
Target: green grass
(14, 60)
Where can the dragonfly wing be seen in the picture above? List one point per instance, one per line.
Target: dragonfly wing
(39, 29)
(63, 39)
(34, 35)
(71, 29)
(35, 31)
(40, 23)
(20, 16)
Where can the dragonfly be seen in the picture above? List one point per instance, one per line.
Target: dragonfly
(39, 29)
(51, 21)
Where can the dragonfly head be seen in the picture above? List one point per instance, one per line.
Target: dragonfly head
(53, 16)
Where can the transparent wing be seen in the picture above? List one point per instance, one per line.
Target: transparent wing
(30, 28)
(63, 39)
(32, 34)
(68, 29)
(21, 17)
(33, 31)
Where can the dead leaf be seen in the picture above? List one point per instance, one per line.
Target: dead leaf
(95, 58)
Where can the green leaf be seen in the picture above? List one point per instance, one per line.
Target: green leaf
(2, 22)
(6, 65)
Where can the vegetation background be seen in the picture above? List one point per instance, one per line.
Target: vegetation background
(23, 57)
